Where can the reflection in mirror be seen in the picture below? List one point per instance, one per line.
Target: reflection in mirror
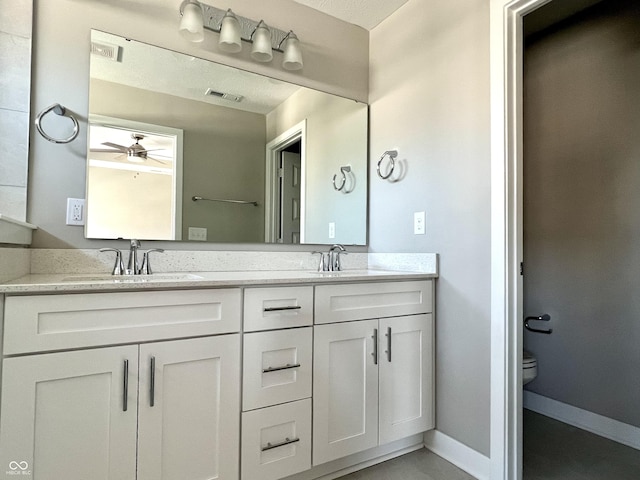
(239, 139)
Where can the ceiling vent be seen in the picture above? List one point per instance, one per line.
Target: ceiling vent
(106, 51)
(226, 96)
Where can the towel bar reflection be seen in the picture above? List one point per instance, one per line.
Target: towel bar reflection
(392, 163)
(241, 202)
(62, 111)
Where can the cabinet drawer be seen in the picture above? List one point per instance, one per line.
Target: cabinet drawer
(276, 441)
(277, 367)
(341, 303)
(54, 322)
(277, 307)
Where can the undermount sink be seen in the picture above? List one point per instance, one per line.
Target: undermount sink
(155, 277)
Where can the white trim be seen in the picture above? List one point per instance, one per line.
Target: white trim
(463, 457)
(293, 134)
(506, 55)
(592, 422)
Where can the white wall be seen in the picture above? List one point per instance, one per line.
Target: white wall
(429, 96)
(61, 74)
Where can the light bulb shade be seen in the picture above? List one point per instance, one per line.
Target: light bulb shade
(292, 53)
(191, 25)
(261, 49)
(230, 34)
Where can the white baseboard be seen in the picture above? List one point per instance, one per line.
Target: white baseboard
(463, 457)
(592, 422)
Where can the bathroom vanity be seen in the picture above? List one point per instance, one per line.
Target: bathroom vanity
(252, 375)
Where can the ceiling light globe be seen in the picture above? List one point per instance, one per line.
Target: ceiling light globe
(191, 25)
(261, 50)
(292, 53)
(230, 34)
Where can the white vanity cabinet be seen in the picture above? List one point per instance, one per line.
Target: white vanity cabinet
(373, 377)
(277, 371)
(161, 410)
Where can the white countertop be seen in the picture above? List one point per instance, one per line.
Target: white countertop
(69, 283)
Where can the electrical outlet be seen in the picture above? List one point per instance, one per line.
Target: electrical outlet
(198, 233)
(75, 211)
(332, 230)
(419, 223)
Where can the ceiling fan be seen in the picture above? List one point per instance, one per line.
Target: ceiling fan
(136, 153)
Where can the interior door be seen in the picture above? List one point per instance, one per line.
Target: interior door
(70, 415)
(345, 389)
(290, 198)
(189, 414)
(406, 376)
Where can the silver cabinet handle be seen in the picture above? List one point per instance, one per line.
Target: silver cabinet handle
(287, 441)
(125, 390)
(277, 369)
(277, 309)
(152, 382)
(388, 335)
(375, 346)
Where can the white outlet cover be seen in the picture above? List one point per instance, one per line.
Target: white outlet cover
(75, 211)
(419, 220)
(198, 233)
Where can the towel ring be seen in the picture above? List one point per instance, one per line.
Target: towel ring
(392, 156)
(58, 110)
(343, 170)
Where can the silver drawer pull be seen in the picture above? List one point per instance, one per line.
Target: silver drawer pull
(125, 385)
(277, 309)
(287, 441)
(277, 369)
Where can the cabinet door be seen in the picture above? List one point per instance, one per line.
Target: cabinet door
(345, 390)
(70, 415)
(406, 376)
(189, 414)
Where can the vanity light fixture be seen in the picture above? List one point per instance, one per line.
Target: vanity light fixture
(197, 16)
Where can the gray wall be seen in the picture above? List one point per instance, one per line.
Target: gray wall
(582, 191)
(61, 74)
(429, 96)
(223, 156)
(15, 82)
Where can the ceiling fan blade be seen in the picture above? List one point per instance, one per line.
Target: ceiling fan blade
(103, 150)
(116, 146)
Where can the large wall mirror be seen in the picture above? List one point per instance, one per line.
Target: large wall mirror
(185, 149)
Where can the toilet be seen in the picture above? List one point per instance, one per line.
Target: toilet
(529, 367)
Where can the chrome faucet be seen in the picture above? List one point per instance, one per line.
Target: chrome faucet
(334, 257)
(330, 261)
(132, 264)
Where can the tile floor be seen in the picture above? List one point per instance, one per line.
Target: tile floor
(553, 451)
(557, 451)
(419, 465)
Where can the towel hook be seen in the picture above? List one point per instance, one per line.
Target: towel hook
(62, 111)
(343, 170)
(392, 163)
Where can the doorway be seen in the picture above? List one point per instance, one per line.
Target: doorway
(507, 234)
(285, 186)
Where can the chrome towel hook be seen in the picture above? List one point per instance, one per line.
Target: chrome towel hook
(343, 170)
(392, 163)
(62, 111)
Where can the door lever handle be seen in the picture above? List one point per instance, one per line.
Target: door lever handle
(543, 318)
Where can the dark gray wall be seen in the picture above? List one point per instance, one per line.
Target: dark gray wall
(582, 199)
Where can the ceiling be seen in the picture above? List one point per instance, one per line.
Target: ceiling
(365, 13)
